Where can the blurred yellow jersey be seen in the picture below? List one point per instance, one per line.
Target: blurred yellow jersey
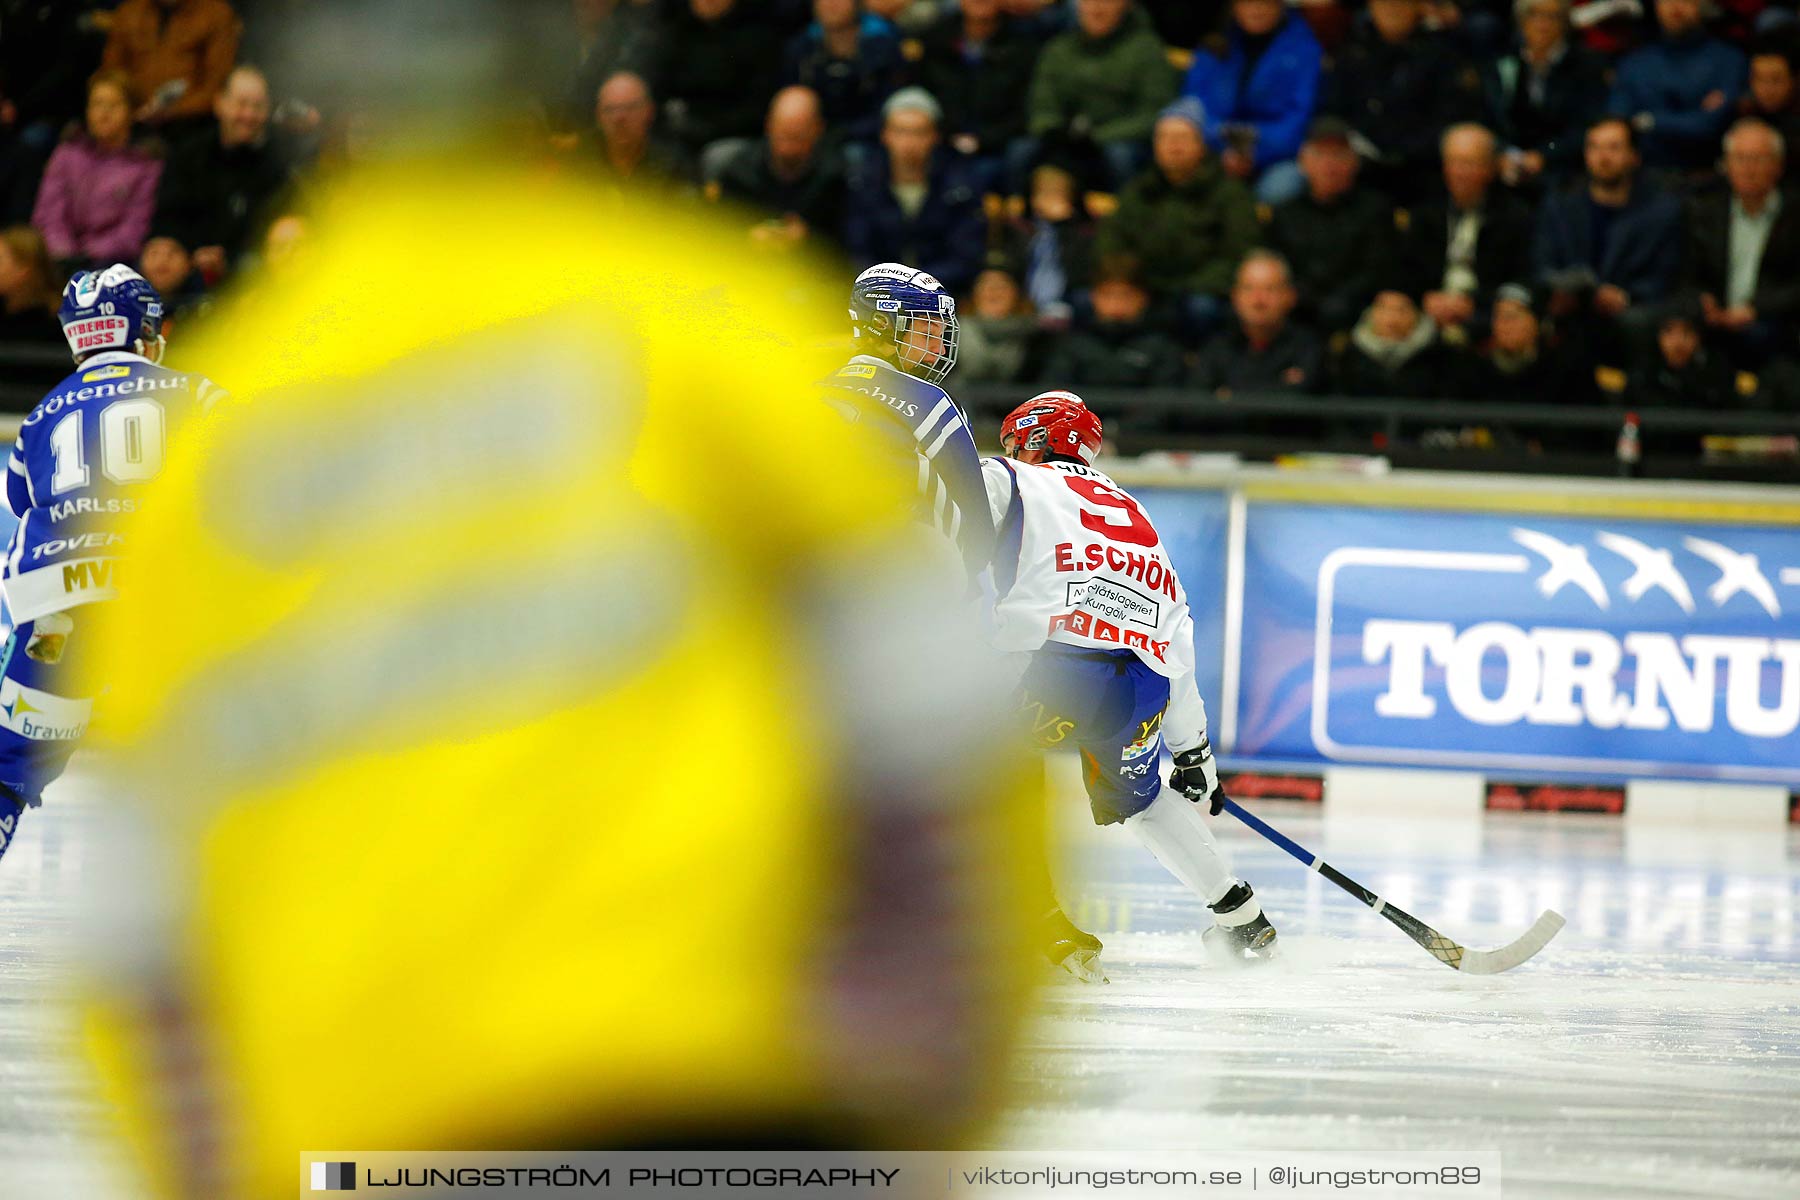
(539, 704)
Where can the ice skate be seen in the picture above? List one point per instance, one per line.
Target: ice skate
(1240, 932)
(1074, 950)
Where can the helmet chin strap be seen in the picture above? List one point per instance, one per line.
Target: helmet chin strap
(153, 352)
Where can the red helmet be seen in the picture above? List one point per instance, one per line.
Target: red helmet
(1051, 423)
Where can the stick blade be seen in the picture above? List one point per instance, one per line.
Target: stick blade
(1492, 962)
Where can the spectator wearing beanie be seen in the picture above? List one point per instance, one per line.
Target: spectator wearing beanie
(1520, 362)
(1258, 82)
(1679, 92)
(1101, 83)
(1185, 220)
(176, 53)
(99, 190)
(914, 202)
(1337, 236)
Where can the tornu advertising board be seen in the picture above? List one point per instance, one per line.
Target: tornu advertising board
(1521, 642)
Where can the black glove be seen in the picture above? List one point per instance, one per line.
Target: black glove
(1196, 776)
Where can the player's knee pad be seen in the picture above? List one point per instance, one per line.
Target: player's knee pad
(1114, 799)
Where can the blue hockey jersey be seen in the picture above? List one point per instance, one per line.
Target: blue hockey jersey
(81, 459)
(922, 420)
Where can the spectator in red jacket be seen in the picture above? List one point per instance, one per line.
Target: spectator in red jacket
(99, 190)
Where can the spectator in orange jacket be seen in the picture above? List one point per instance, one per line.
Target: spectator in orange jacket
(177, 54)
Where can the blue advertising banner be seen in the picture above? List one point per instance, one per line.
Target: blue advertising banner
(1192, 525)
(1500, 642)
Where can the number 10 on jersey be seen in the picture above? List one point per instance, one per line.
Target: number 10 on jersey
(131, 445)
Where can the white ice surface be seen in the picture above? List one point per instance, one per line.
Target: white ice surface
(1652, 1049)
(51, 1144)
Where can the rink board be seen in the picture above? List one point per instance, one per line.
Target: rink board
(1522, 643)
(1488, 631)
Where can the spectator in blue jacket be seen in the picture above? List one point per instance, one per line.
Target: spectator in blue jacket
(1681, 92)
(1609, 250)
(1258, 82)
(914, 203)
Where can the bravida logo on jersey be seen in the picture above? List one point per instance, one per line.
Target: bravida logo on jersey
(1466, 640)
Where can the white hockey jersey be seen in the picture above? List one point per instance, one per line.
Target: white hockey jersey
(1079, 562)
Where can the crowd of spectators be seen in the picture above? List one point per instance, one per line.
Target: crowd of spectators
(1493, 199)
(1483, 199)
(132, 132)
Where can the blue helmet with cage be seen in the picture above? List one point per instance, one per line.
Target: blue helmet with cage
(113, 309)
(901, 313)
